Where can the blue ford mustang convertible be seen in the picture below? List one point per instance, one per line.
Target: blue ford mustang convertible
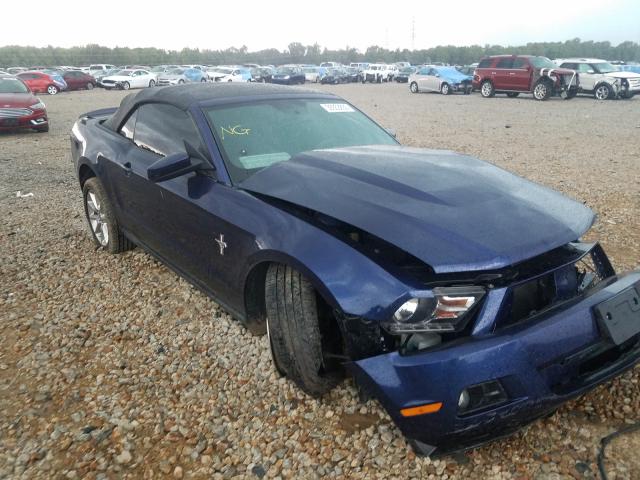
(456, 293)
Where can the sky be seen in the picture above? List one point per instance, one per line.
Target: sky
(219, 24)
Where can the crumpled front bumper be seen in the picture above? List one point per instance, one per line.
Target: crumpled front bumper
(541, 363)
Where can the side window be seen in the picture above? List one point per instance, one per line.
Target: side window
(423, 71)
(485, 63)
(585, 68)
(520, 63)
(505, 63)
(163, 129)
(129, 127)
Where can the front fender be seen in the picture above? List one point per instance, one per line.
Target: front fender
(345, 278)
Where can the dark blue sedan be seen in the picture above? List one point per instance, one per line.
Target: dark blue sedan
(456, 293)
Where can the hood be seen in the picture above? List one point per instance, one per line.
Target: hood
(118, 78)
(453, 212)
(623, 74)
(454, 75)
(17, 100)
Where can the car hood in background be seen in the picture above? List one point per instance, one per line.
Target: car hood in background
(17, 100)
(453, 212)
(454, 75)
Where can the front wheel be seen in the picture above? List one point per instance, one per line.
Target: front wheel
(487, 90)
(413, 87)
(126, 86)
(52, 90)
(602, 92)
(152, 83)
(542, 91)
(301, 331)
(90, 86)
(102, 221)
(445, 89)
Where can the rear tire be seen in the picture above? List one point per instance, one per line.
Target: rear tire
(102, 221)
(487, 90)
(52, 90)
(294, 326)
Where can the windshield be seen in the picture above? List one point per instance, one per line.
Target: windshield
(225, 71)
(125, 73)
(176, 71)
(255, 136)
(285, 71)
(158, 69)
(408, 70)
(542, 62)
(605, 67)
(12, 85)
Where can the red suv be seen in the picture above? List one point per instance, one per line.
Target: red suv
(516, 74)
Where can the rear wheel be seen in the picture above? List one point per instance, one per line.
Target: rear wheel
(602, 92)
(487, 90)
(413, 87)
(102, 221)
(513, 94)
(542, 90)
(300, 331)
(52, 90)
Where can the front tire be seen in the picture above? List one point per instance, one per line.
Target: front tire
(445, 89)
(487, 90)
(152, 83)
(52, 90)
(603, 92)
(298, 332)
(413, 87)
(126, 86)
(90, 86)
(542, 90)
(102, 222)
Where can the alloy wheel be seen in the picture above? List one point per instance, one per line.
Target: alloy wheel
(602, 92)
(97, 220)
(540, 91)
(52, 90)
(486, 89)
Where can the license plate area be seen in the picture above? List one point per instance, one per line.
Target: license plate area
(619, 317)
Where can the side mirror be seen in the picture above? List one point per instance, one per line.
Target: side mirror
(172, 166)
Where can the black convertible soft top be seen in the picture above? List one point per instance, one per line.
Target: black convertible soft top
(183, 96)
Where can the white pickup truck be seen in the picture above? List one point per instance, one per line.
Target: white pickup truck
(378, 73)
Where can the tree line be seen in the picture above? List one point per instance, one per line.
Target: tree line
(14, 55)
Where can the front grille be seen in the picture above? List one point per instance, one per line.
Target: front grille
(526, 299)
(14, 112)
(108, 82)
(634, 83)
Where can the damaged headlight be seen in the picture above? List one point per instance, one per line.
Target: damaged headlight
(446, 311)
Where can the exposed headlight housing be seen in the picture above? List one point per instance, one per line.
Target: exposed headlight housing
(38, 106)
(446, 311)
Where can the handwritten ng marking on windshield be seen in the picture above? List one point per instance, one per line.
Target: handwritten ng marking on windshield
(235, 130)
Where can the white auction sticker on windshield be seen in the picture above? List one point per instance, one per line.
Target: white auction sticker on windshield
(337, 107)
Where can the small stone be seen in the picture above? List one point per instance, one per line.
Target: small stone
(258, 471)
(177, 472)
(124, 457)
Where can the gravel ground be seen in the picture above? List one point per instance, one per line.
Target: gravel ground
(112, 367)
